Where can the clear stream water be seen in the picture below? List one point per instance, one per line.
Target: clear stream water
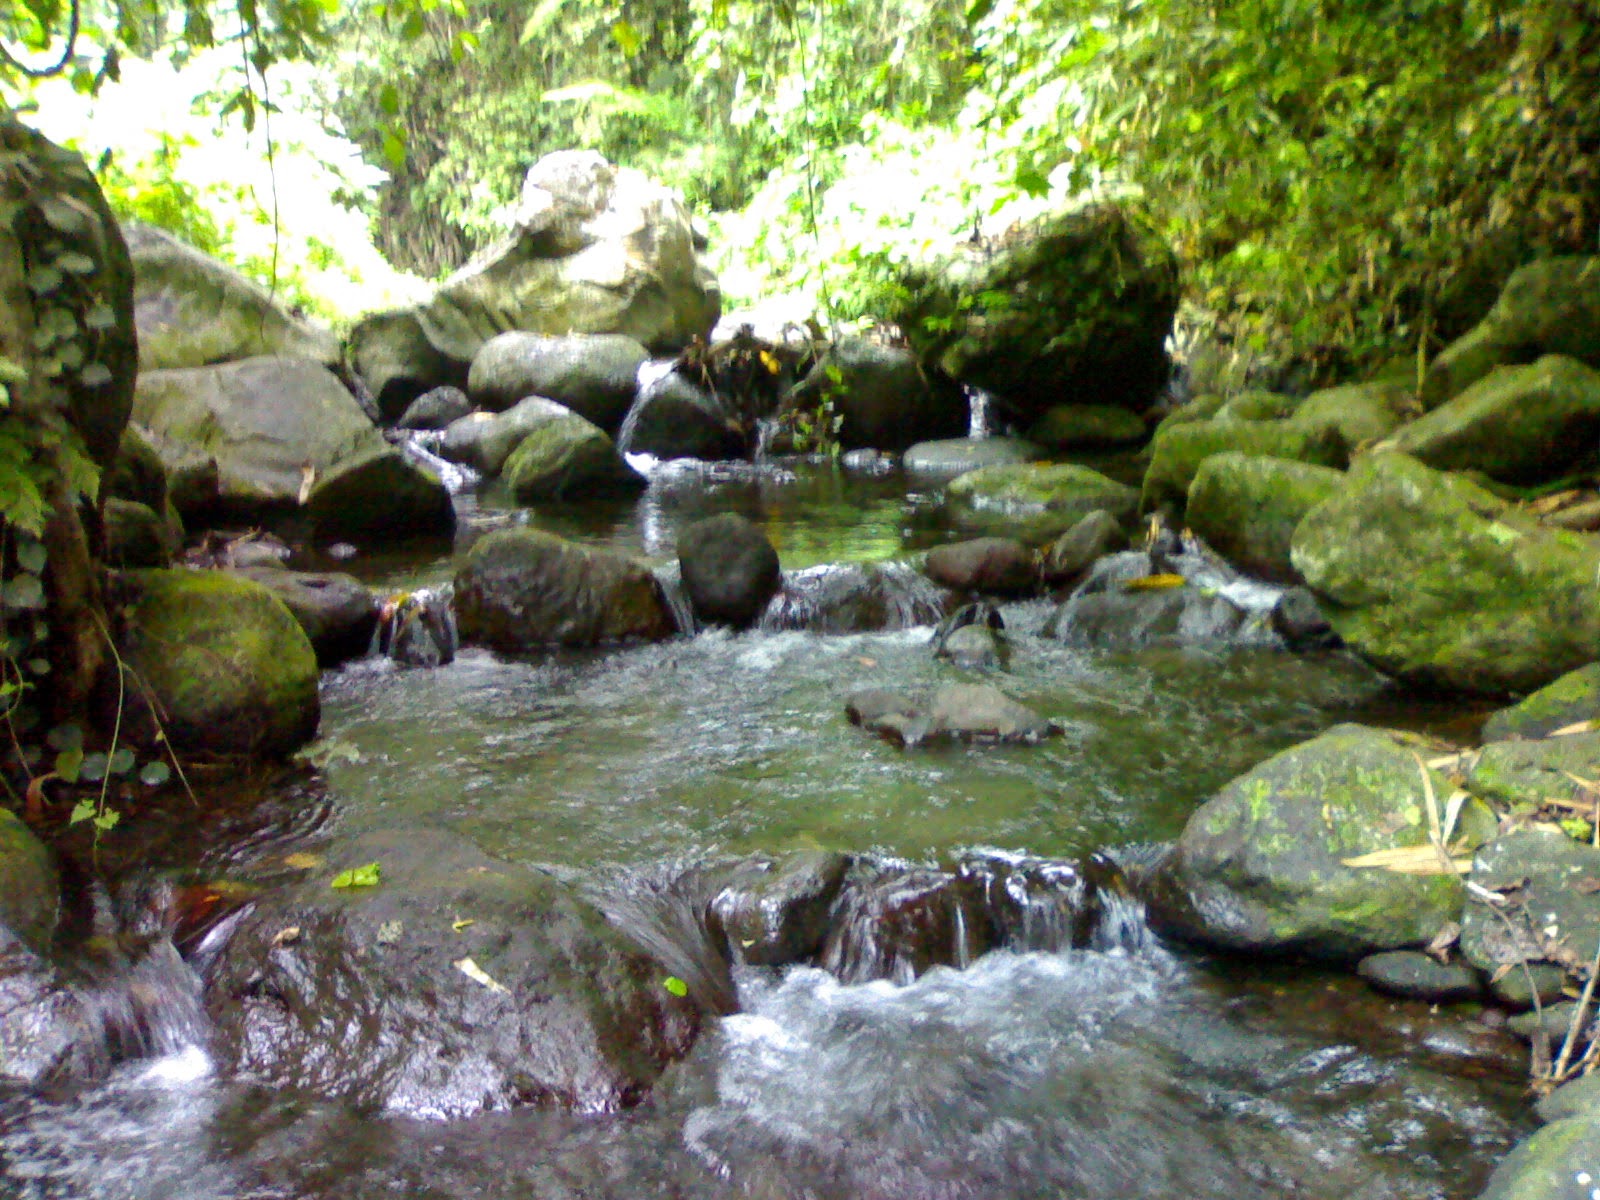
(1133, 1070)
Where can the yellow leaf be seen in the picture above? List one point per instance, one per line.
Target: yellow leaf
(1154, 583)
(458, 926)
(1426, 859)
(1578, 727)
(301, 861)
(770, 363)
(478, 975)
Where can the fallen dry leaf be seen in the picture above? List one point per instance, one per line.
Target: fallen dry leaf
(478, 975)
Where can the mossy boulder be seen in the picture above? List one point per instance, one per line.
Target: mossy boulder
(1556, 914)
(1521, 425)
(521, 588)
(1257, 405)
(30, 890)
(594, 375)
(229, 668)
(1042, 500)
(193, 311)
(137, 536)
(1547, 307)
(730, 570)
(1086, 427)
(1526, 773)
(1572, 698)
(568, 458)
(337, 612)
(1177, 451)
(1259, 867)
(1246, 508)
(1556, 1163)
(1074, 306)
(1358, 414)
(483, 441)
(1439, 583)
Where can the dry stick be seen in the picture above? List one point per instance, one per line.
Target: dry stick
(1516, 939)
(1578, 1017)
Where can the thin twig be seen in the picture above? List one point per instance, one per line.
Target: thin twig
(1579, 1017)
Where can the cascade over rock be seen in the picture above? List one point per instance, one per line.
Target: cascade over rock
(194, 311)
(592, 248)
(1088, 299)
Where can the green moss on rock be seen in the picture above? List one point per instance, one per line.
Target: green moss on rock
(1259, 866)
(1177, 452)
(1246, 507)
(29, 887)
(229, 667)
(1572, 698)
(568, 458)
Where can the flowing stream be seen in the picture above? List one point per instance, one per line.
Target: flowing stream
(1099, 1067)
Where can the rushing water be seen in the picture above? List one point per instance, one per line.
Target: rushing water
(1120, 1069)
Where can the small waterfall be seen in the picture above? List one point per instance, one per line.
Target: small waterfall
(670, 577)
(895, 920)
(417, 629)
(855, 598)
(982, 408)
(421, 447)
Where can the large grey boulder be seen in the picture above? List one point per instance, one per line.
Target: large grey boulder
(454, 984)
(1439, 583)
(595, 375)
(1246, 508)
(1073, 307)
(1555, 1163)
(275, 434)
(1523, 424)
(1260, 868)
(1547, 307)
(521, 588)
(592, 248)
(194, 311)
(882, 395)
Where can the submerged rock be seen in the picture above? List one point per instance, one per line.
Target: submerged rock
(956, 456)
(1415, 976)
(1570, 699)
(1439, 583)
(229, 667)
(518, 589)
(455, 984)
(958, 712)
(1259, 868)
(730, 570)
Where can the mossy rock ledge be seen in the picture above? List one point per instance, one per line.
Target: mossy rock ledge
(1259, 867)
(1436, 581)
(228, 665)
(1039, 501)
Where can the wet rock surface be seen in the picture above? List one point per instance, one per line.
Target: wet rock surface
(1573, 698)
(518, 589)
(855, 598)
(989, 566)
(1416, 976)
(595, 376)
(337, 612)
(730, 570)
(1549, 909)
(455, 985)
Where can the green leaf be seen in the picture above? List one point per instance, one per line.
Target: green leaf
(65, 737)
(61, 214)
(357, 877)
(95, 374)
(389, 100)
(93, 769)
(38, 666)
(121, 761)
(107, 820)
(69, 763)
(31, 556)
(675, 986)
(75, 263)
(23, 593)
(43, 280)
(154, 774)
(100, 318)
(627, 37)
(83, 810)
